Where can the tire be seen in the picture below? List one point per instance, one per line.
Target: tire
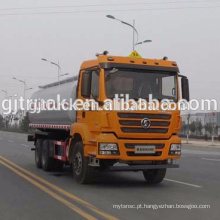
(38, 153)
(47, 161)
(82, 172)
(154, 176)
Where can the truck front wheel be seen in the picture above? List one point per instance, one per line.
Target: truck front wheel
(38, 153)
(154, 176)
(80, 165)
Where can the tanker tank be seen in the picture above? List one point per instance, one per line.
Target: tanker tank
(67, 90)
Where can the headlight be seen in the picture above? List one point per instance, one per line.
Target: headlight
(108, 149)
(175, 149)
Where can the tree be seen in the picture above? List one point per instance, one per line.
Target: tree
(1, 122)
(24, 125)
(209, 128)
(183, 128)
(199, 128)
(192, 127)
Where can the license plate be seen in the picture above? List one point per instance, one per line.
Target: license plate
(144, 149)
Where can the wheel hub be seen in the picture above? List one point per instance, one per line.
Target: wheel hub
(43, 157)
(78, 163)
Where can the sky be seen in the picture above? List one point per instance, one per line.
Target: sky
(70, 32)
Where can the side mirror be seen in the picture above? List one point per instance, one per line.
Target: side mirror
(185, 88)
(86, 84)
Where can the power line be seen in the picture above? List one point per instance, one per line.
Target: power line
(116, 10)
(27, 77)
(109, 5)
(205, 82)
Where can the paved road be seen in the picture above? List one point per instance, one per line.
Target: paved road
(29, 193)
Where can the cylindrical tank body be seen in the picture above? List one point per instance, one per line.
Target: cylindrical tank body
(66, 89)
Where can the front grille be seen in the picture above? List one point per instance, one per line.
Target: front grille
(131, 123)
(142, 130)
(137, 123)
(141, 115)
(132, 146)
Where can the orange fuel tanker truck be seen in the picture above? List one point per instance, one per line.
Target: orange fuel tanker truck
(117, 140)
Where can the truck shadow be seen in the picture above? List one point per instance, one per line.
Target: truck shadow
(112, 179)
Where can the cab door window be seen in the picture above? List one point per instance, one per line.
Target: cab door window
(95, 84)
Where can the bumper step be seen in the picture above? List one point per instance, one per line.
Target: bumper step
(142, 167)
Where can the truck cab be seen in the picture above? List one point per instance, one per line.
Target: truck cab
(120, 140)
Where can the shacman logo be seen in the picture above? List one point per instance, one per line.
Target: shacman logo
(145, 123)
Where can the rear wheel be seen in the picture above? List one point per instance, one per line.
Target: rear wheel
(154, 176)
(83, 173)
(38, 153)
(47, 161)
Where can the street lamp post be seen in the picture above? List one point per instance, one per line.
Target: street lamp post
(56, 64)
(142, 42)
(24, 83)
(187, 136)
(134, 35)
(25, 88)
(134, 31)
(65, 74)
(213, 126)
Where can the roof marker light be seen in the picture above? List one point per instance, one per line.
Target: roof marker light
(110, 59)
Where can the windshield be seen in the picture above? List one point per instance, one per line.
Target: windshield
(140, 83)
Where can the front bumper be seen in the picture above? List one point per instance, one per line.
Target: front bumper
(142, 167)
(128, 153)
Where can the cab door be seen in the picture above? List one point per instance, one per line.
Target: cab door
(89, 90)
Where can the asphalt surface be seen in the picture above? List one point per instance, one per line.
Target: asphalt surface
(30, 193)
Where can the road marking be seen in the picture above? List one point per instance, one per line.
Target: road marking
(10, 141)
(203, 153)
(24, 145)
(180, 182)
(212, 159)
(51, 193)
(58, 189)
